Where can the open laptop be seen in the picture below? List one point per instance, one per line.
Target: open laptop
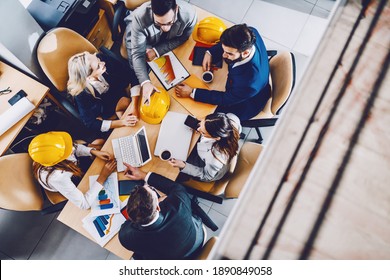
(132, 149)
(174, 136)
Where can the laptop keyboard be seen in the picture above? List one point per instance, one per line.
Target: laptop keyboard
(127, 151)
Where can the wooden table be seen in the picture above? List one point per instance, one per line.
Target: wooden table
(72, 216)
(16, 80)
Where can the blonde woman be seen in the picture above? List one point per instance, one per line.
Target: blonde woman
(98, 84)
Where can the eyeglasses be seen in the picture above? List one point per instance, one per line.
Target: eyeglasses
(158, 25)
(5, 91)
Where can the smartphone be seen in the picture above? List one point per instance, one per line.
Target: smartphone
(192, 122)
(19, 95)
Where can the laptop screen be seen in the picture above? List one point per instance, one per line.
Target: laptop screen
(143, 144)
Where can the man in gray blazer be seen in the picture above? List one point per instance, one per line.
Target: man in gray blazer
(153, 29)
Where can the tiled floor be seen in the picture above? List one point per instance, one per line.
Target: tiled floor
(296, 26)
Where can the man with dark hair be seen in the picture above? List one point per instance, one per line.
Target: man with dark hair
(247, 89)
(160, 229)
(153, 29)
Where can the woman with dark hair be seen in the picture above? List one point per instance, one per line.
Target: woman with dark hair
(218, 144)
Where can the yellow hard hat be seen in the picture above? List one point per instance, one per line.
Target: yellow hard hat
(208, 30)
(51, 148)
(157, 108)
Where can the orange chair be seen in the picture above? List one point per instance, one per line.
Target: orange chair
(282, 75)
(21, 192)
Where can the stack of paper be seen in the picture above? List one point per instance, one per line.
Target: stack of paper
(104, 222)
(14, 114)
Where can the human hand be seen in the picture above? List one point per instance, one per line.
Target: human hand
(134, 173)
(177, 163)
(129, 120)
(133, 111)
(207, 59)
(150, 54)
(107, 169)
(183, 90)
(147, 90)
(106, 156)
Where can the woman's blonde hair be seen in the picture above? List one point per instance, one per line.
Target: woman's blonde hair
(79, 69)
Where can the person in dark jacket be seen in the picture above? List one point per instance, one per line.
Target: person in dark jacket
(247, 89)
(160, 229)
(98, 84)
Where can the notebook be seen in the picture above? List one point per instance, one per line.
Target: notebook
(199, 55)
(132, 149)
(174, 136)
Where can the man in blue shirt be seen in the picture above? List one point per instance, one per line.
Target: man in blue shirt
(247, 89)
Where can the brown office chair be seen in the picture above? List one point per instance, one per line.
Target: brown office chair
(213, 188)
(247, 157)
(207, 248)
(19, 190)
(282, 75)
(232, 183)
(53, 52)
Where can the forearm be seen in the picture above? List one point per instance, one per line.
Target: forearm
(117, 123)
(207, 173)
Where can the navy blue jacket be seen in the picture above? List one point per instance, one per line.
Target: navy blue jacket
(173, 235)
(118, 77)
(247, 89)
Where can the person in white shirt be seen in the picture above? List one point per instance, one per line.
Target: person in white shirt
(215, 150)
(56, 166)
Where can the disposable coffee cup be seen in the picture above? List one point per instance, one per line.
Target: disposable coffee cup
(207, 76)
(165, 155)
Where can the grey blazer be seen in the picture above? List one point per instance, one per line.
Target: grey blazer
(141, 33)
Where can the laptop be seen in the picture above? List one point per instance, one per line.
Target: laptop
(174, 136)
(132, 149)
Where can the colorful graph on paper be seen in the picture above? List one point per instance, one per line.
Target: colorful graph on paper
(107, 201)
(103, 228)
(169, 70)
(166, 69)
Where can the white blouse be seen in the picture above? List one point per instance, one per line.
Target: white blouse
(60, 181)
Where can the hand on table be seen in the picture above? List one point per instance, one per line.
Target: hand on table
(129, 120)
(183, 90)
(134, 173)
(147, 90)
(206, 64)
(106, 156)
(177, 163)
(106, 171)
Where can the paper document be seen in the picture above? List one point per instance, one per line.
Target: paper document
(107, 201)
(104, 227)
(15, 113)
(169, 70)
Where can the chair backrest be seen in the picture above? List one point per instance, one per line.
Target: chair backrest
(247, 157)
(282, 80)
(54, 51)
(214, 187)
(133, 4)
(207, 248)
(18, 187)
(282, 70)
(55, 197)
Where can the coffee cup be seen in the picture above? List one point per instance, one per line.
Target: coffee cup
(207, 76)
(165, 155)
